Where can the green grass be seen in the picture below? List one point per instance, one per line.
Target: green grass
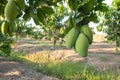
(64, 70)
(118, 62)
(104, 58)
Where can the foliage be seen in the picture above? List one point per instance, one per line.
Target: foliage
(4, 43)
(2, 6)
(5, 47)
(54, 27)
(1, 35)
(85, 11)
(49, 14)
(110, 23)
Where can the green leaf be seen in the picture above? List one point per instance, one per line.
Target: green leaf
(19, 14)
(1, 9)
(41, 16)
(53, 2)
(86, 20)
(79, 19)
(87, 7)
(102, 7)
(94, 18)
(73, 4)
(47, 10)
(5, 47)
(83, 3)
(3, 1)
(1, 37)
(34, 17)
(100, 1)
(26, 16)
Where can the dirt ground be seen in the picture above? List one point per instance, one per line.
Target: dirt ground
(10, 70)
(100, 55)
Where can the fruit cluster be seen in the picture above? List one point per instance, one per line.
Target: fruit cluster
(79, 39)
(7, 29)
(11, 11)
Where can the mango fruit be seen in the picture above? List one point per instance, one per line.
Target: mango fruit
(4, 28)
(11, 29)
(71, 37)
(82, 44)
(10, 10)
(87, 31)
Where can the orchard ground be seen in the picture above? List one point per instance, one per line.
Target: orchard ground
(100, 55)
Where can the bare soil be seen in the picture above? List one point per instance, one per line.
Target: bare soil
(100, 55)
(10, 70)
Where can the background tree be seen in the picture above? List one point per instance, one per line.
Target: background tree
(54, 27)
(26, 29)
(110, 23)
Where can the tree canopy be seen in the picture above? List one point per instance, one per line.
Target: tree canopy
(50, 15)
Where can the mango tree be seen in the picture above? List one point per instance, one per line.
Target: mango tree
(53, 29)
(77, 31)
(111, 23)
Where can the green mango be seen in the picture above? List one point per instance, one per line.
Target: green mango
(82, 44)
(87, 31)
(4, 28)
(10, 10)
(71, 37)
